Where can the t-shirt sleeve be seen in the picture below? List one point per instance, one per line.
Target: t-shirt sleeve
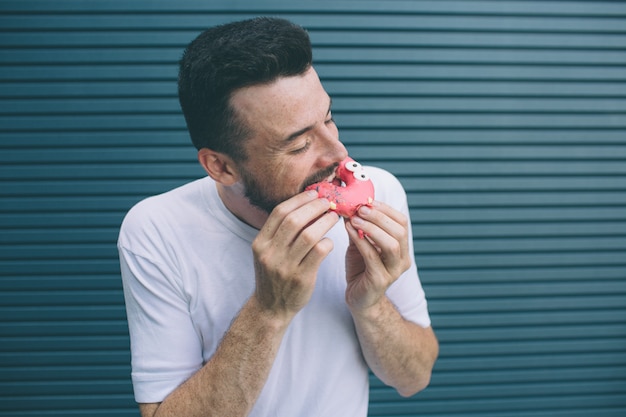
(165, 347)
(406, 293)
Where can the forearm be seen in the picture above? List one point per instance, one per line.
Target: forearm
(230, 383)
(399, 352)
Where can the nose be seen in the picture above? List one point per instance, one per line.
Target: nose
(333, 150)
(339, 152)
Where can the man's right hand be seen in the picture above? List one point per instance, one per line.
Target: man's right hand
(288, 252)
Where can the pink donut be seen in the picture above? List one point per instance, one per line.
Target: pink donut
(351, 190)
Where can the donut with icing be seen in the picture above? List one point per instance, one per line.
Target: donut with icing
(349, 191)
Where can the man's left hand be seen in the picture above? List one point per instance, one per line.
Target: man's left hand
(376, 261)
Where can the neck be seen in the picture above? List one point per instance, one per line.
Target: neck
(235, 201)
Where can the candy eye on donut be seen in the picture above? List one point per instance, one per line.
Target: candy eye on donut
(353, 166)
(361, 176)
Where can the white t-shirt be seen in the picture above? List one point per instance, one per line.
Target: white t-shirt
(187, 270)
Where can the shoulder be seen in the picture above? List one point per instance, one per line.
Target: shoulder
(387, 187)
(382, 176)
(156, 214)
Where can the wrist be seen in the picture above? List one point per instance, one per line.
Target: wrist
(278, 321)
(372, 311)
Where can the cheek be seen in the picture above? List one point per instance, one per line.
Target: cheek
(279, 183)
(289, 181)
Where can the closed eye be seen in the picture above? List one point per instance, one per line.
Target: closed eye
(303, 149)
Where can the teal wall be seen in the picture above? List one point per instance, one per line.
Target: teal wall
(505, 121)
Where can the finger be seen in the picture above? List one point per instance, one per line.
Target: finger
(277, 215)
(386, 218)
(317, 254)
(377, 228)
(390, 212)
(290, 217)
(389, 234)
(366, 247)
(312, 234)
(302, 219)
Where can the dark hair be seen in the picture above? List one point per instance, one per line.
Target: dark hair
(228, 57)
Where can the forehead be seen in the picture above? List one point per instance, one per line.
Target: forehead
(283, 106)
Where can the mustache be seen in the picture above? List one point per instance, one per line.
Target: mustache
(319, 176)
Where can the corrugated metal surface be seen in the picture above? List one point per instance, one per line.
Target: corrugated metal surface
(506, 121)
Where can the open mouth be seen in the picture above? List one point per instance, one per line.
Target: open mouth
(333, 179)
(329, 175)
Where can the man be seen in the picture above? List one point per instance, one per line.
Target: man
(245, 294)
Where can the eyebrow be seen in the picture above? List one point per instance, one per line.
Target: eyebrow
(302, 131)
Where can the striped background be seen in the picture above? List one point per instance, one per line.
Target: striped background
(505, 121)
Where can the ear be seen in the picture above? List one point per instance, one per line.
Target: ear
(219, 166)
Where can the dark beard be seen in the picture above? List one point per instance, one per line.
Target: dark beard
(255, 195)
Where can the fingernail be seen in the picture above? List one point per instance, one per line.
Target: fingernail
(364, 210)
(356, 221)
(312, 193)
